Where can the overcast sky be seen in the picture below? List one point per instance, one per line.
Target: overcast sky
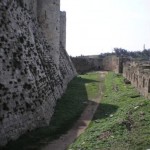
(98, 26)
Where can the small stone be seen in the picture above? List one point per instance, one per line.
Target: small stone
(111, 115)
(112, 136)
(136, 107)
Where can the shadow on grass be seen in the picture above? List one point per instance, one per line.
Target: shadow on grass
(67, 111)
(104, 110)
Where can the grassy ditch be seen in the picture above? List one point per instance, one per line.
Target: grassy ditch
(122, 121)
(68, 110)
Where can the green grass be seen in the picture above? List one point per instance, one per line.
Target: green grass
(121, 122)
(68, 109)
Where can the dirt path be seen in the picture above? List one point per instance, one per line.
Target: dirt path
(79, 127)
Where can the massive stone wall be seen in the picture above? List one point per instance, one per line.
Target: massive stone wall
(34, 66)
(139, 75)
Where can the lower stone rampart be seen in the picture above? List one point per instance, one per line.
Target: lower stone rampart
(138, 73)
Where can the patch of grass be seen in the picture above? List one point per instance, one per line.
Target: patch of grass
(121, 122)
(67, 111)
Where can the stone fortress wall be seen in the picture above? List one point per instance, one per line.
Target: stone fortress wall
(139, 75)
(34, 65)
(85, 64)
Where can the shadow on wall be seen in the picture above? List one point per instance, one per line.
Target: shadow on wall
(68, 110)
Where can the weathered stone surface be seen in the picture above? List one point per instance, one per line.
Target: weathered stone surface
(63, 28)
(48, 15)
(85, 64)
(114, 63)
(34, 66)
(94, 62)
(139, 74)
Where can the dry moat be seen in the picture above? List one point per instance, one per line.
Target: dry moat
(36, 73)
